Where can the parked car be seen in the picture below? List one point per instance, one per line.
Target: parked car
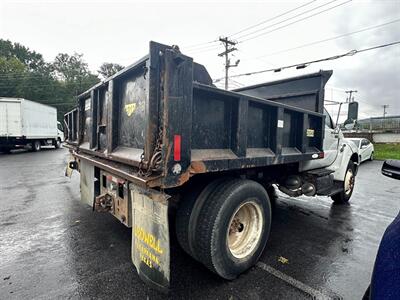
(365, 148)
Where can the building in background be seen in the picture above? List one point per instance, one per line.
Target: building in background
(377, 129)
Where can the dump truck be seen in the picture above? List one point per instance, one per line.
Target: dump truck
(28, 124)
(162, 149)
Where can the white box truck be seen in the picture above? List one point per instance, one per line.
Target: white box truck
(25, 123)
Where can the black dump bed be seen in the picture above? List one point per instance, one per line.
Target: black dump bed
(160, 121)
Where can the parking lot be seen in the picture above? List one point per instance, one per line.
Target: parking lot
(52, 246)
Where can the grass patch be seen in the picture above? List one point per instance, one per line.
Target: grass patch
(386, 151)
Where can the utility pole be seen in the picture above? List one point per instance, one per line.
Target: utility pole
(350, 92)
(229, 47)
(384, 109)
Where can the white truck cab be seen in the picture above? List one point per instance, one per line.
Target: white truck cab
(340, 156)
(60, 131)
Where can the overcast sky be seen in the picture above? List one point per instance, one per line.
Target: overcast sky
(119, 31)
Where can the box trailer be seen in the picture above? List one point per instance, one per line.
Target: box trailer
(158, 137)
(28, 123)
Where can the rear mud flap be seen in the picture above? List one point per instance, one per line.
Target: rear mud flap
(150, 236)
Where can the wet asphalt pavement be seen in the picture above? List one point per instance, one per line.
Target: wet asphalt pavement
(52, 246)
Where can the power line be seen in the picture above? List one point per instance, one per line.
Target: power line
(294, 22)
(287, 19)
(271, 19)
(327, 39)
(25, 84)
(306, 64)
(200, 44)
(208, 45)
(237, 83)
(209, 48)
(201, 50)
(24, 75)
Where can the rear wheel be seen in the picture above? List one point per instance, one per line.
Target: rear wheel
(57, 143)
(371, 158)
(188, 212)
(233, 227)
(36, 146)
(348, 186)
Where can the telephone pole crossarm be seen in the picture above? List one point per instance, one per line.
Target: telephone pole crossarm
(227, 51)
(350, 92)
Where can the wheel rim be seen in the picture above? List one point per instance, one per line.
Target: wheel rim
(245, 228)
(349, 182)
(58, 143)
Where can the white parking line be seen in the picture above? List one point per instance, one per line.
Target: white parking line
(315, 294)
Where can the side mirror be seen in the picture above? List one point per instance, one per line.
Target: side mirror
(363, 146)
(391, 168)
(337, 129)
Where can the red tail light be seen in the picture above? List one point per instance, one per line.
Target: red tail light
(177, 147)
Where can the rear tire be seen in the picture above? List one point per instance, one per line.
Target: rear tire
(371, 158)
(57, 143)
(348, 186)
(188, 212)
(36, 146)
(233, 228)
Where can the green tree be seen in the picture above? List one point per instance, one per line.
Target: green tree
(74, 72)
(73, 76)
(109, 69)
(31, 59)
(25, 74)
(12, 74)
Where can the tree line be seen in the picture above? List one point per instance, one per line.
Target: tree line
(25, 74)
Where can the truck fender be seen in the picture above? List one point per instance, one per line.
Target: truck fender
(349, 154)
(150, 236)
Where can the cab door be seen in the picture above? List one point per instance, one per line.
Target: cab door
(331, 140)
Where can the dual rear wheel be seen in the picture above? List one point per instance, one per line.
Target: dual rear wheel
(225, 225)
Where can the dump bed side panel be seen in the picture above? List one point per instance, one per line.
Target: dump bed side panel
(306, 92)
(237, 131)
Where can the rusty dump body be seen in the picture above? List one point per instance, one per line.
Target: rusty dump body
(160, 121)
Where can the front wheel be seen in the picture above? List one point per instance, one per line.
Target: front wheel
(348, 186)
(233, 227)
